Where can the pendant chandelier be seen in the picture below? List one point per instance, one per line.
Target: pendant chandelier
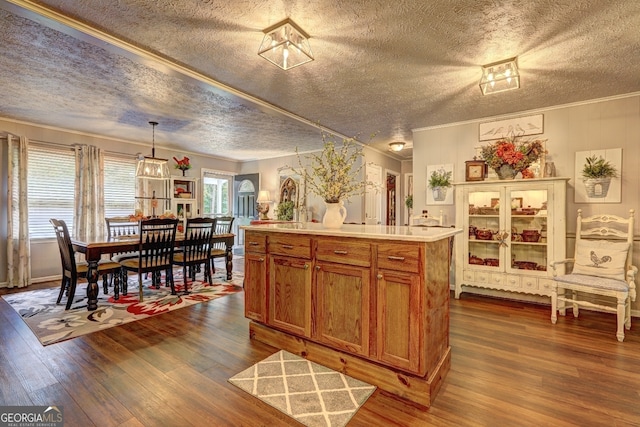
(152, 167)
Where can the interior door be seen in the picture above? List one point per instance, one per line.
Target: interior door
(245, 190)
(373, 196)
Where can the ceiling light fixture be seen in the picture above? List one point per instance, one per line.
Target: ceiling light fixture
(286, 45)
(152, 167)
(500, 76)
(396, 146)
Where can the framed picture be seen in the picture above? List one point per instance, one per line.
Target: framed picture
(598, 188)
(440, 194)
(474, 170)
(519, 126)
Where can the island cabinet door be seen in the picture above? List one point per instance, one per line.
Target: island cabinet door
(398, 319)
(255, 287)
(341, 307)
(289, 291)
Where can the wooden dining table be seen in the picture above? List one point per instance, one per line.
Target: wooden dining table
(94, 249)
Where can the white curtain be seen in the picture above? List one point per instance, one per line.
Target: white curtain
(88, 216)
(18, 245)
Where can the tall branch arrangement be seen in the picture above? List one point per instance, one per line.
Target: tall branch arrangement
(335, 172)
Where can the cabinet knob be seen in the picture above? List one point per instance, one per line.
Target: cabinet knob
(261, 259)
(306, 266)
(379, 276)
(317, 268)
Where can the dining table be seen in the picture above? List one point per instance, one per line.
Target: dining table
(94, 249)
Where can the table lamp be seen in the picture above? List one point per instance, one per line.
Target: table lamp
(264, 198)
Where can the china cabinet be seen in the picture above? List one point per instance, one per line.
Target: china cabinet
(512, 230)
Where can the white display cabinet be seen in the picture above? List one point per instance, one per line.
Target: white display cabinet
(513, 229)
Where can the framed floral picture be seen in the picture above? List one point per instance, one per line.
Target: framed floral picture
(440, 184)
(598, 176)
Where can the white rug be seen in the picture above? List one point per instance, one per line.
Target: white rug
(312, 394)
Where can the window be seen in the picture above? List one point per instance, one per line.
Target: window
(119, 186)
(51, 189)
(216, 193)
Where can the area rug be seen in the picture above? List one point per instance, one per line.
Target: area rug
(51, 323)
(312, 394)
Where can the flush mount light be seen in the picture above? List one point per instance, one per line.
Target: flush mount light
(396, 146)
(152, 167)
(286, 45)
(500, 76)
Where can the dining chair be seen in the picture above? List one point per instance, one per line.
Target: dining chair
(72, 270)
(602, 276)
(118, 228)
(195, 249)
(155, 251)
(224, 225)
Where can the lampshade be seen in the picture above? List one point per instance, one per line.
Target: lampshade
(500, 76)
(285, 45)
(264, 196)
(152, 167)
(396, 146)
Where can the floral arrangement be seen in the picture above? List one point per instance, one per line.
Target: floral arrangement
(513, 152)
(335, 172)
(183, 164)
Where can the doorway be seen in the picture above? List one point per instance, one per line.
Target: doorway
(245, 188)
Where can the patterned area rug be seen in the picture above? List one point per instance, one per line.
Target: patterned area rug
(51, 323)
(312, 394)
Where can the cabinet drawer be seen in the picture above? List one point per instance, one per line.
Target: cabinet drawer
(529, 284)
(481, 277)
(287, 244)
(545, 286)
(512, 282)
(468, 275)
(352, 253)
(392, 256)
(497, 280)
(254, 242)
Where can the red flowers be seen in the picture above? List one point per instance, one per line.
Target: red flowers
(513, 152)
(182, 164)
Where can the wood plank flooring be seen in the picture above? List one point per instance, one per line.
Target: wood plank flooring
(510, 367)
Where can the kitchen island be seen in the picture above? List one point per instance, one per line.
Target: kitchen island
(369, 301)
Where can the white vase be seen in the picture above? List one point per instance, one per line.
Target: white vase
(334, 215)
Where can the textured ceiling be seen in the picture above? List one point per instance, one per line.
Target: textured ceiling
(383, 67)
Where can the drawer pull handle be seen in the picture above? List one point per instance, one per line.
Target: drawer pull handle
(254, 243)
(287, 246)
(337, 252)
(395, 258)
(379, 276)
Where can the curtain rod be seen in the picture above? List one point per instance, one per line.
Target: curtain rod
(72, 147)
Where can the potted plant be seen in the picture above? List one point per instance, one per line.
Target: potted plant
(284, 212)
(597, 173)
(439, 181)
(334, 175)
(511, 155)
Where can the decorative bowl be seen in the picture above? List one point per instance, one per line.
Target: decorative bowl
(530, 235)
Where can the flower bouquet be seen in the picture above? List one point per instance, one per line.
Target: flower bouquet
(183, 164)
(511, 155)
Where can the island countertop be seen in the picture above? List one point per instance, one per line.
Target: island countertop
(384, 232)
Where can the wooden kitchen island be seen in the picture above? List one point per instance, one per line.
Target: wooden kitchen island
(369, 301)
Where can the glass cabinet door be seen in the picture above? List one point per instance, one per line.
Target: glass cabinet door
(528, 218)
(485, 217)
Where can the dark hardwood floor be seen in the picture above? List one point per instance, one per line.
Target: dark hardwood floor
(510, 367)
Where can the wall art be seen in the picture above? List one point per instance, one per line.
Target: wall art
(603, 181)
(441, 192)
(518, 126)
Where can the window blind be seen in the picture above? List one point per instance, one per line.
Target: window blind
(119, 186)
